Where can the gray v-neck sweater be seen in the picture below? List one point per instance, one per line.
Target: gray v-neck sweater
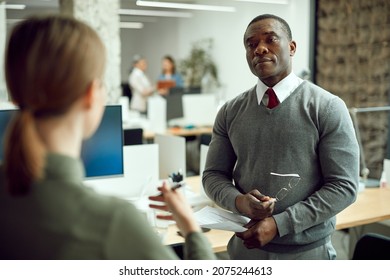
(311, 134)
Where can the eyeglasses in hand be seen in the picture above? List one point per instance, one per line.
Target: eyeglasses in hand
(282, 193)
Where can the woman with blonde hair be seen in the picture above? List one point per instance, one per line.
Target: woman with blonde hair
(54, 70)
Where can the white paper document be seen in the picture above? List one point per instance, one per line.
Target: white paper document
(215, 218)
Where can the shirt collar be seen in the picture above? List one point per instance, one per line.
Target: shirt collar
(65, 168)
(282, 89)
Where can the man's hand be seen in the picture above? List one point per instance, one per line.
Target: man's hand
(259, 233)
(255, 205)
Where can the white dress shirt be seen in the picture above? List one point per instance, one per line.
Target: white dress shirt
(283, 89)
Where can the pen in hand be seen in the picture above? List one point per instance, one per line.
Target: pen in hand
(179, 185)
(175, 187)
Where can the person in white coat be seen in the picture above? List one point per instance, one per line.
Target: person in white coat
(140, 85)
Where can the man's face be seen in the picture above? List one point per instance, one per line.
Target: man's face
(268, 51)
(142, 64)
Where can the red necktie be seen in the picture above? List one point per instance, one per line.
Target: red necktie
(272, 99)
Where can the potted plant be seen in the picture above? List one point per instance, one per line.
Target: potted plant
(199, 69)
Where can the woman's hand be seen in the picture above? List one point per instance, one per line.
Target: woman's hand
(177, 209)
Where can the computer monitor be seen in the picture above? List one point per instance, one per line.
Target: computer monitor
(175, 103)
(199, 109)
(171, 154)
(5, 118)
(102, 154)
(193, 90)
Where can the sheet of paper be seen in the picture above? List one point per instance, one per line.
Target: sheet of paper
(228, 226)
(215, 218)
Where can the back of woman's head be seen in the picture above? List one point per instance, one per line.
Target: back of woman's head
(50, 62)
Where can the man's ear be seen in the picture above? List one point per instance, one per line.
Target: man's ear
(293, 48)
(89, 95)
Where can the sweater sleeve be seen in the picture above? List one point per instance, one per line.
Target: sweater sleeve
(338, 152)
(197, 247)
(217, 175)
(131, 237)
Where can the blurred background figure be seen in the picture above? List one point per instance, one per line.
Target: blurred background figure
(169, 77)
(140, 85)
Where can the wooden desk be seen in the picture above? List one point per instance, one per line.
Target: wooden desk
(218, 238)
(196, 131)
(372, 205)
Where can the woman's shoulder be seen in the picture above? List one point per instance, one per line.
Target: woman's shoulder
(104, 202)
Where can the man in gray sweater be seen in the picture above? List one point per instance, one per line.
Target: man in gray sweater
(295, 128)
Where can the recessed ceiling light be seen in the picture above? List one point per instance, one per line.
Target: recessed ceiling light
(266, 1)
(15, 6)
(185, 6)
(134, 12)
(131, 25)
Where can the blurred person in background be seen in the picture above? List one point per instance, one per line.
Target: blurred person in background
(169, 77)
(140, 85)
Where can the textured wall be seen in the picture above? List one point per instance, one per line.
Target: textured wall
(353, 62)
(103, 17)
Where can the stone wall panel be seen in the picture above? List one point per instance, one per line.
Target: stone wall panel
(353, 62)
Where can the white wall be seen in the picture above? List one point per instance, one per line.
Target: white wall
(175, 36)
(153, 41)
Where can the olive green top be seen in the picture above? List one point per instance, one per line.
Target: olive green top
(61, 218)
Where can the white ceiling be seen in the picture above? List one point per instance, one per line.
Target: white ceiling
(47, 6)
(125, 4)
(35, 3)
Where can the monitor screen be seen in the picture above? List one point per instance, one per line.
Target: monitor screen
(5, 118)
(175, 103)
(199, 109)
(102, 154)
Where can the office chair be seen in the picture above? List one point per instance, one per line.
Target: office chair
(372, 246)
(133, 136)
(178, 248)
(205, 139)
(175, 103)
(126, 90)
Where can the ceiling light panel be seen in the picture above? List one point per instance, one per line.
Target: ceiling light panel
(266, 1)
(131, 25)
(185, 6)
(15, 6)
(154, 13)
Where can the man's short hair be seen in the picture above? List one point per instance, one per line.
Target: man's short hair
(284, 23)
(137, 58)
